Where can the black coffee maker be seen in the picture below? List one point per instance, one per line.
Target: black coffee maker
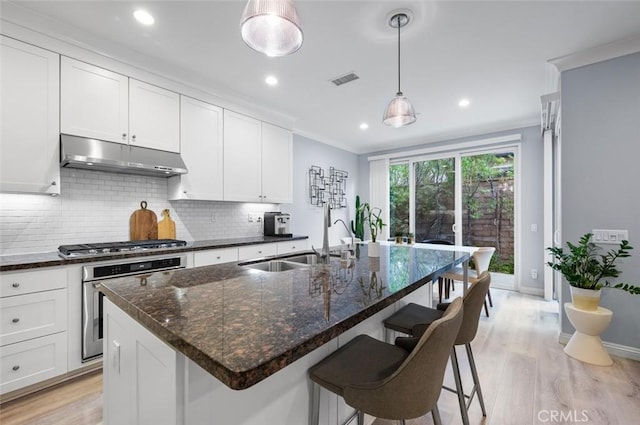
(276, 223)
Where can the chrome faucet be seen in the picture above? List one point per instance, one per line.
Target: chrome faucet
(352, 246)
(324, 254)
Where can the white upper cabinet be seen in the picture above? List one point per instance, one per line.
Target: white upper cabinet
(94, 102)
(104, 105)
(154, 117)
(30, 110)
(202, 151)
(258, 160)
(242, 158)
(277, 164)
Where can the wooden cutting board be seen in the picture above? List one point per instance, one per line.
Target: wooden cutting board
(166, 226)
(143, 224)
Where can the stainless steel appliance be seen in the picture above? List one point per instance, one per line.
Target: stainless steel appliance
(276, 223)
(93, 154)
(92, 275)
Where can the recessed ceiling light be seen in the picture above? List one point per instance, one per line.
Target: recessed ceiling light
(364, 126)
(143, 17)
(271, 80)
(464, 103)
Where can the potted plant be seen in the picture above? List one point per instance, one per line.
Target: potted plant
(372, 216)
(410, 238)
(399, 236)
(586, 270)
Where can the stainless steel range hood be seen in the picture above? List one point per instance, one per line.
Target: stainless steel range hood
(93, 154)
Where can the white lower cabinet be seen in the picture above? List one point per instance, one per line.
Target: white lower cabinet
(249, 252)
(140, 380)
(215, 256)
(32, 315)
(289, 247)
(32, 361)
(33, 324)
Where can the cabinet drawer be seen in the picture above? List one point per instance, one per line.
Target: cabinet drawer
(215, 256)
(257, 251)
(292, 246)
(19, 283)
(32, 361)
(32, 315)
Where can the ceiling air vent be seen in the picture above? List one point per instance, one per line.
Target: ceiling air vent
(344, 79)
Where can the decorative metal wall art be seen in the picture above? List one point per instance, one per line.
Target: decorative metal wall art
(330, 188)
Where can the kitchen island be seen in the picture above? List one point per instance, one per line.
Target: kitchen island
(179, 344)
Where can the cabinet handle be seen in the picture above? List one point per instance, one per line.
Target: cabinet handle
(218, 257)
(15, 284)
(53, 183)
(16, 367)
(133, 137)
(184, 191)
(124, 136)
(15, 320)
(259, 252)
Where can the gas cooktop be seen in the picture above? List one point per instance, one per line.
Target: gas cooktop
(92, 249)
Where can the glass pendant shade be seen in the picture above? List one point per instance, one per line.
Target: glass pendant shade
(400, 112)
(271, 27)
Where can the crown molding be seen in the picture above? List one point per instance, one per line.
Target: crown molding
(596, 54)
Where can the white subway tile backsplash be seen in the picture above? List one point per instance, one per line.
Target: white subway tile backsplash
(95, 206)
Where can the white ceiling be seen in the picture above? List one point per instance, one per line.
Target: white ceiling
(494, 53)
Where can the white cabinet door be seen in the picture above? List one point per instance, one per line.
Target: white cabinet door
(94, 102)
(32, 361)
(277, 164)
(201, 149)
(242, 158)
(215, 256)
(29, 113)
(292, 246)
(32, 315)
(249, 252)
(154, 117)
(140, 373)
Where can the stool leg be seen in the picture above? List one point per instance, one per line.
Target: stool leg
(314, 412)
(435, 414)
(459, 389)
(486, 309)
(489, 296)
(476, 381)
(360, 417)
(440, 282)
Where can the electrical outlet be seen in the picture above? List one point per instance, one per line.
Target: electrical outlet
(255, 217)
(534, 274)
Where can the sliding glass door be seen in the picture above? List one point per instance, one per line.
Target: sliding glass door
(464, 198)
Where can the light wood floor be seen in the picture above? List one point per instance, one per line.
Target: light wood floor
(526, 379)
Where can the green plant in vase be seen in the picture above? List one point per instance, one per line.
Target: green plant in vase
(586, 269)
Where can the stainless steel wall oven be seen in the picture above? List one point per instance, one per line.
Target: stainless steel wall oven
(92, 275)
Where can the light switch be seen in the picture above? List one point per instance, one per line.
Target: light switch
(115, 356)
(609, 236)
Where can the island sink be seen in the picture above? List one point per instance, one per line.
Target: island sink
(276, 266)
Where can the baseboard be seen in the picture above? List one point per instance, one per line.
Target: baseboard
(619, 350)
(498, 285)
(539, 292)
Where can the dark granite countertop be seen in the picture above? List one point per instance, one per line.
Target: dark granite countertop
(242, 325)
(49, 259)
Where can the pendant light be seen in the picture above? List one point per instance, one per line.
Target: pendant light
(400, 110)
(271, 27)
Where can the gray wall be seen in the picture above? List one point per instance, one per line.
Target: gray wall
(307, 219)
(600, 155)
(532, 246)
